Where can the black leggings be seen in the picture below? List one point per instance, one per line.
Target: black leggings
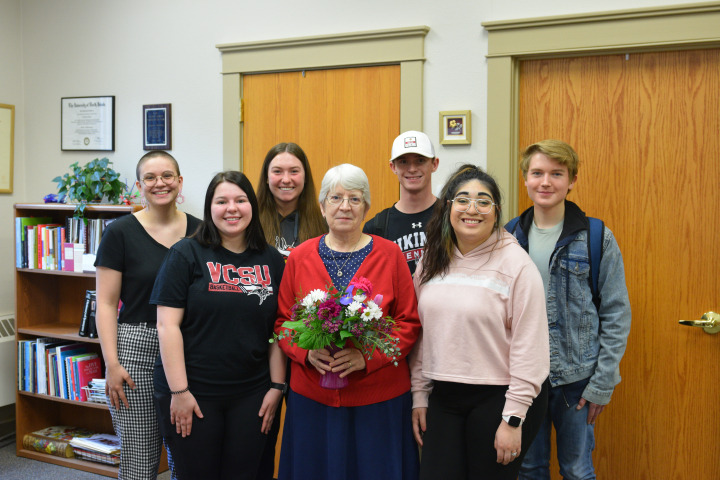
(462, 419)
(225, 444)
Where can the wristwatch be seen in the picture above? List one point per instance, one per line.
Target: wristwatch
(512, 420)
(283, 387)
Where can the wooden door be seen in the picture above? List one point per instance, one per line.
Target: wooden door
(349, 115)
(646, 129)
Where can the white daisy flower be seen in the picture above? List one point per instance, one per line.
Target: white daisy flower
(314, 297)
(354, 307)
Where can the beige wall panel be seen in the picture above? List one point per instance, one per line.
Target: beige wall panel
(411, 96)
(232, 136)
(325, 51)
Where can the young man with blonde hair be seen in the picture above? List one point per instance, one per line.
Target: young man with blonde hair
(587, 305)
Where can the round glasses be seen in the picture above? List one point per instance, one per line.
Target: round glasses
(336, 200)
(167, 178)
(482, 205)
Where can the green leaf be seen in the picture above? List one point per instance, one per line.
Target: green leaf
(107, 188)
(57, 179)
(296, 325)
(345, 334)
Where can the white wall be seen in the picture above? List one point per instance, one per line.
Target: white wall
(11, 92)
(164, 52)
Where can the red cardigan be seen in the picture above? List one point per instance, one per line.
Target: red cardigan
(387, 270)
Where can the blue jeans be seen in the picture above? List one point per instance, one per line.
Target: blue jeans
(575, 439)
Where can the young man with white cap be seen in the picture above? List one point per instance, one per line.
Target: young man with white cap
(413, 160)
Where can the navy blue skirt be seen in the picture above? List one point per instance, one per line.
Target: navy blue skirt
(372, 442)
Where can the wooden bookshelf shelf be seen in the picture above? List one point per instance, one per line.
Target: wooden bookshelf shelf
(49, 303)
(62, 400)
(56, 272)
(66, 331)
(77, 464)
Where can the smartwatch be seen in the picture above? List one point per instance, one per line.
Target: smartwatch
(512, 420)
(283, 387)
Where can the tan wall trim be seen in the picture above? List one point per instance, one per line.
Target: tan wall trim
(403, 46)
(509, 42)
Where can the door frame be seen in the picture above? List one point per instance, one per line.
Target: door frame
(399, 46)
(674, 27)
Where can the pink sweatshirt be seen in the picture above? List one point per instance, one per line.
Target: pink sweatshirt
(484, 323)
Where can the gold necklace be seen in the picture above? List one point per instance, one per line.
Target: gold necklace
(339, 272)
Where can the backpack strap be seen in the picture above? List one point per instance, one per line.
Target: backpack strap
(595, 242)
(381, 223)
(512, 225)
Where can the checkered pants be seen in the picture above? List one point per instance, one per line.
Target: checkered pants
(137, 427)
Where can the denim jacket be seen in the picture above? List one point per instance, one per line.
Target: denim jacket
(584, 341)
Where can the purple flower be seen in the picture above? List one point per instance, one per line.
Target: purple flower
(328, 309)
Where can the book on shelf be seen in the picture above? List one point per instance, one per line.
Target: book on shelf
(62, 353)
(51, 447)
(21, 230)
(62, 433)
(93, 456)
(41, 361)
(92, 325)
(85, 370)
(100, 442)
(71, 373)
(89, 304)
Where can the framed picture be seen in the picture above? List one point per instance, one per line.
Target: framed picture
(455, 127)
(157, 127)
(87, 123)
(7, 145)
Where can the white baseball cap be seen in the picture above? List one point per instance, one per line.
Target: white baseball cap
(412, 142)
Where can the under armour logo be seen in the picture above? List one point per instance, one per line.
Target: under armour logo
(417, 225)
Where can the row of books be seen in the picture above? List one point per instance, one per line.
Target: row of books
(69, 442)
(41, 244)
(55, 367)
(88, 328)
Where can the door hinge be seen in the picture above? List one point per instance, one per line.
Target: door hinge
(241, 108)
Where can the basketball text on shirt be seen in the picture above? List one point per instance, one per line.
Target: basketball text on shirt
(251, 280)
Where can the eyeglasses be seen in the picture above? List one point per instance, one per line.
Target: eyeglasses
(336, 200)
(482, 205)
(167, 178)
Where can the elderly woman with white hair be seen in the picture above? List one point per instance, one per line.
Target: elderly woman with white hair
(364, 430)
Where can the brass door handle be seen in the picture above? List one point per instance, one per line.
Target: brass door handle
(710, 322)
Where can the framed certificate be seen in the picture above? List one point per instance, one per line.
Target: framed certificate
(7, 137)
(157, 127)
(88, 123)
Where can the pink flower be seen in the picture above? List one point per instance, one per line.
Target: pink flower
(378, 299)
(363, 284)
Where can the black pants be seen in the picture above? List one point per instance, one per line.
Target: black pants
(225, 444)
(462, 420)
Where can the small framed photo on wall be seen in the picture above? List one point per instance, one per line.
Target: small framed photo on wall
(455, 127)
(157, 127)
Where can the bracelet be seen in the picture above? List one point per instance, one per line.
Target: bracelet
(187, 389)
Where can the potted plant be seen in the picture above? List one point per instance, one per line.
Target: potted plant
(90, 184)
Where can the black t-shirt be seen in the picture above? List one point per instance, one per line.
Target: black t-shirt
(230, 302)
(128, 248)
(405, 229)
(288, 239)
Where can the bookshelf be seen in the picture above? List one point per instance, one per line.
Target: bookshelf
(49, 303)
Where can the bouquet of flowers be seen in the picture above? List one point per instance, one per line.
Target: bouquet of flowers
(327, 318)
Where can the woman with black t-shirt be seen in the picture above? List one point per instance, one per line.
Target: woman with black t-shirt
(216, 297)
(290, 214)
(130, 254)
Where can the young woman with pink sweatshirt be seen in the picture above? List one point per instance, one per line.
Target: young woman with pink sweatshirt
(480, 367)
